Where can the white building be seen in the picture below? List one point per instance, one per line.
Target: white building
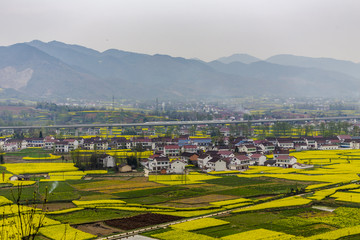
(328, 147)
(62, 147)
(216, 165)
(158, 164)
(257, 159)
(107, 161)
(285, 161)
(203, 159)
(171, 150)
(177, 166)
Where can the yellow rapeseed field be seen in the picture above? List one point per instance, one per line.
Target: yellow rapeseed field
(180, 234)
(31, 168)
(284, 202)
(260, 234)
(64, 231)
(199, 224)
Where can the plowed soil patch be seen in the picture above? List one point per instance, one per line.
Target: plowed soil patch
(141, 221)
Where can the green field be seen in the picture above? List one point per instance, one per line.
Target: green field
(92, 215)
(273, 208)
(31, 152)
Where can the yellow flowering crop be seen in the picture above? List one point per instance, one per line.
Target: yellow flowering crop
(64, 231)
(199, 224)
(224, 172)
(347, 196)
(260, 234)
(319, 195)
(96, 172)
(320, 185)
(71, 173)
(4, 201)
(336, 234)
(284, 202)
(178, 234)
(63, 178)
(52, 157)
(11, 209)
(52, 180)
(65, 210)
(22, 168)
(98, 202)
(135, 209)
(45, 221)
(340, 178)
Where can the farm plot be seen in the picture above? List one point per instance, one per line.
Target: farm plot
(91, 215)
(43, 167)
(192, 178)
(31, 152)
(199, 224)
(206, 199)
(297, 223)
(140, 221)
(280, 203)
(64, 231)
(115, 186)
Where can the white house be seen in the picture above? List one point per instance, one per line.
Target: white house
(311, 142)
(189, 148)
(73, 144)
(216, 165)
(50, 143)
(203, 159)
(328, 147)
(247, 148)
(107, 161)
(285, 143)
(177, 166)
(62, 147)
(9, 146)
(226, 153)
(285, 161)
(257, 159)
(266, 147)
(238, 163)
(158, 164)
(171, 150)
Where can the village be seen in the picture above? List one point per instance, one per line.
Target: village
(177, 155)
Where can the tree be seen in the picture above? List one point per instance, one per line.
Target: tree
(132, 161)
(27, 220)
(355, 130)
(309, 129)
(94, 163)
(2, 159)
(192, 130)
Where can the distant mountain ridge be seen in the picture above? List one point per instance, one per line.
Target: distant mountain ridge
(239, 57)
(329, 64)
(56, 70)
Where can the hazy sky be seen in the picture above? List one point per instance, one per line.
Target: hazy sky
(206, 29)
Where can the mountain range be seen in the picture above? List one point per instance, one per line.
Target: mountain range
(56, 71)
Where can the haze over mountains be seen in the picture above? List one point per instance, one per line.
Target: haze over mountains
(55, 70)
